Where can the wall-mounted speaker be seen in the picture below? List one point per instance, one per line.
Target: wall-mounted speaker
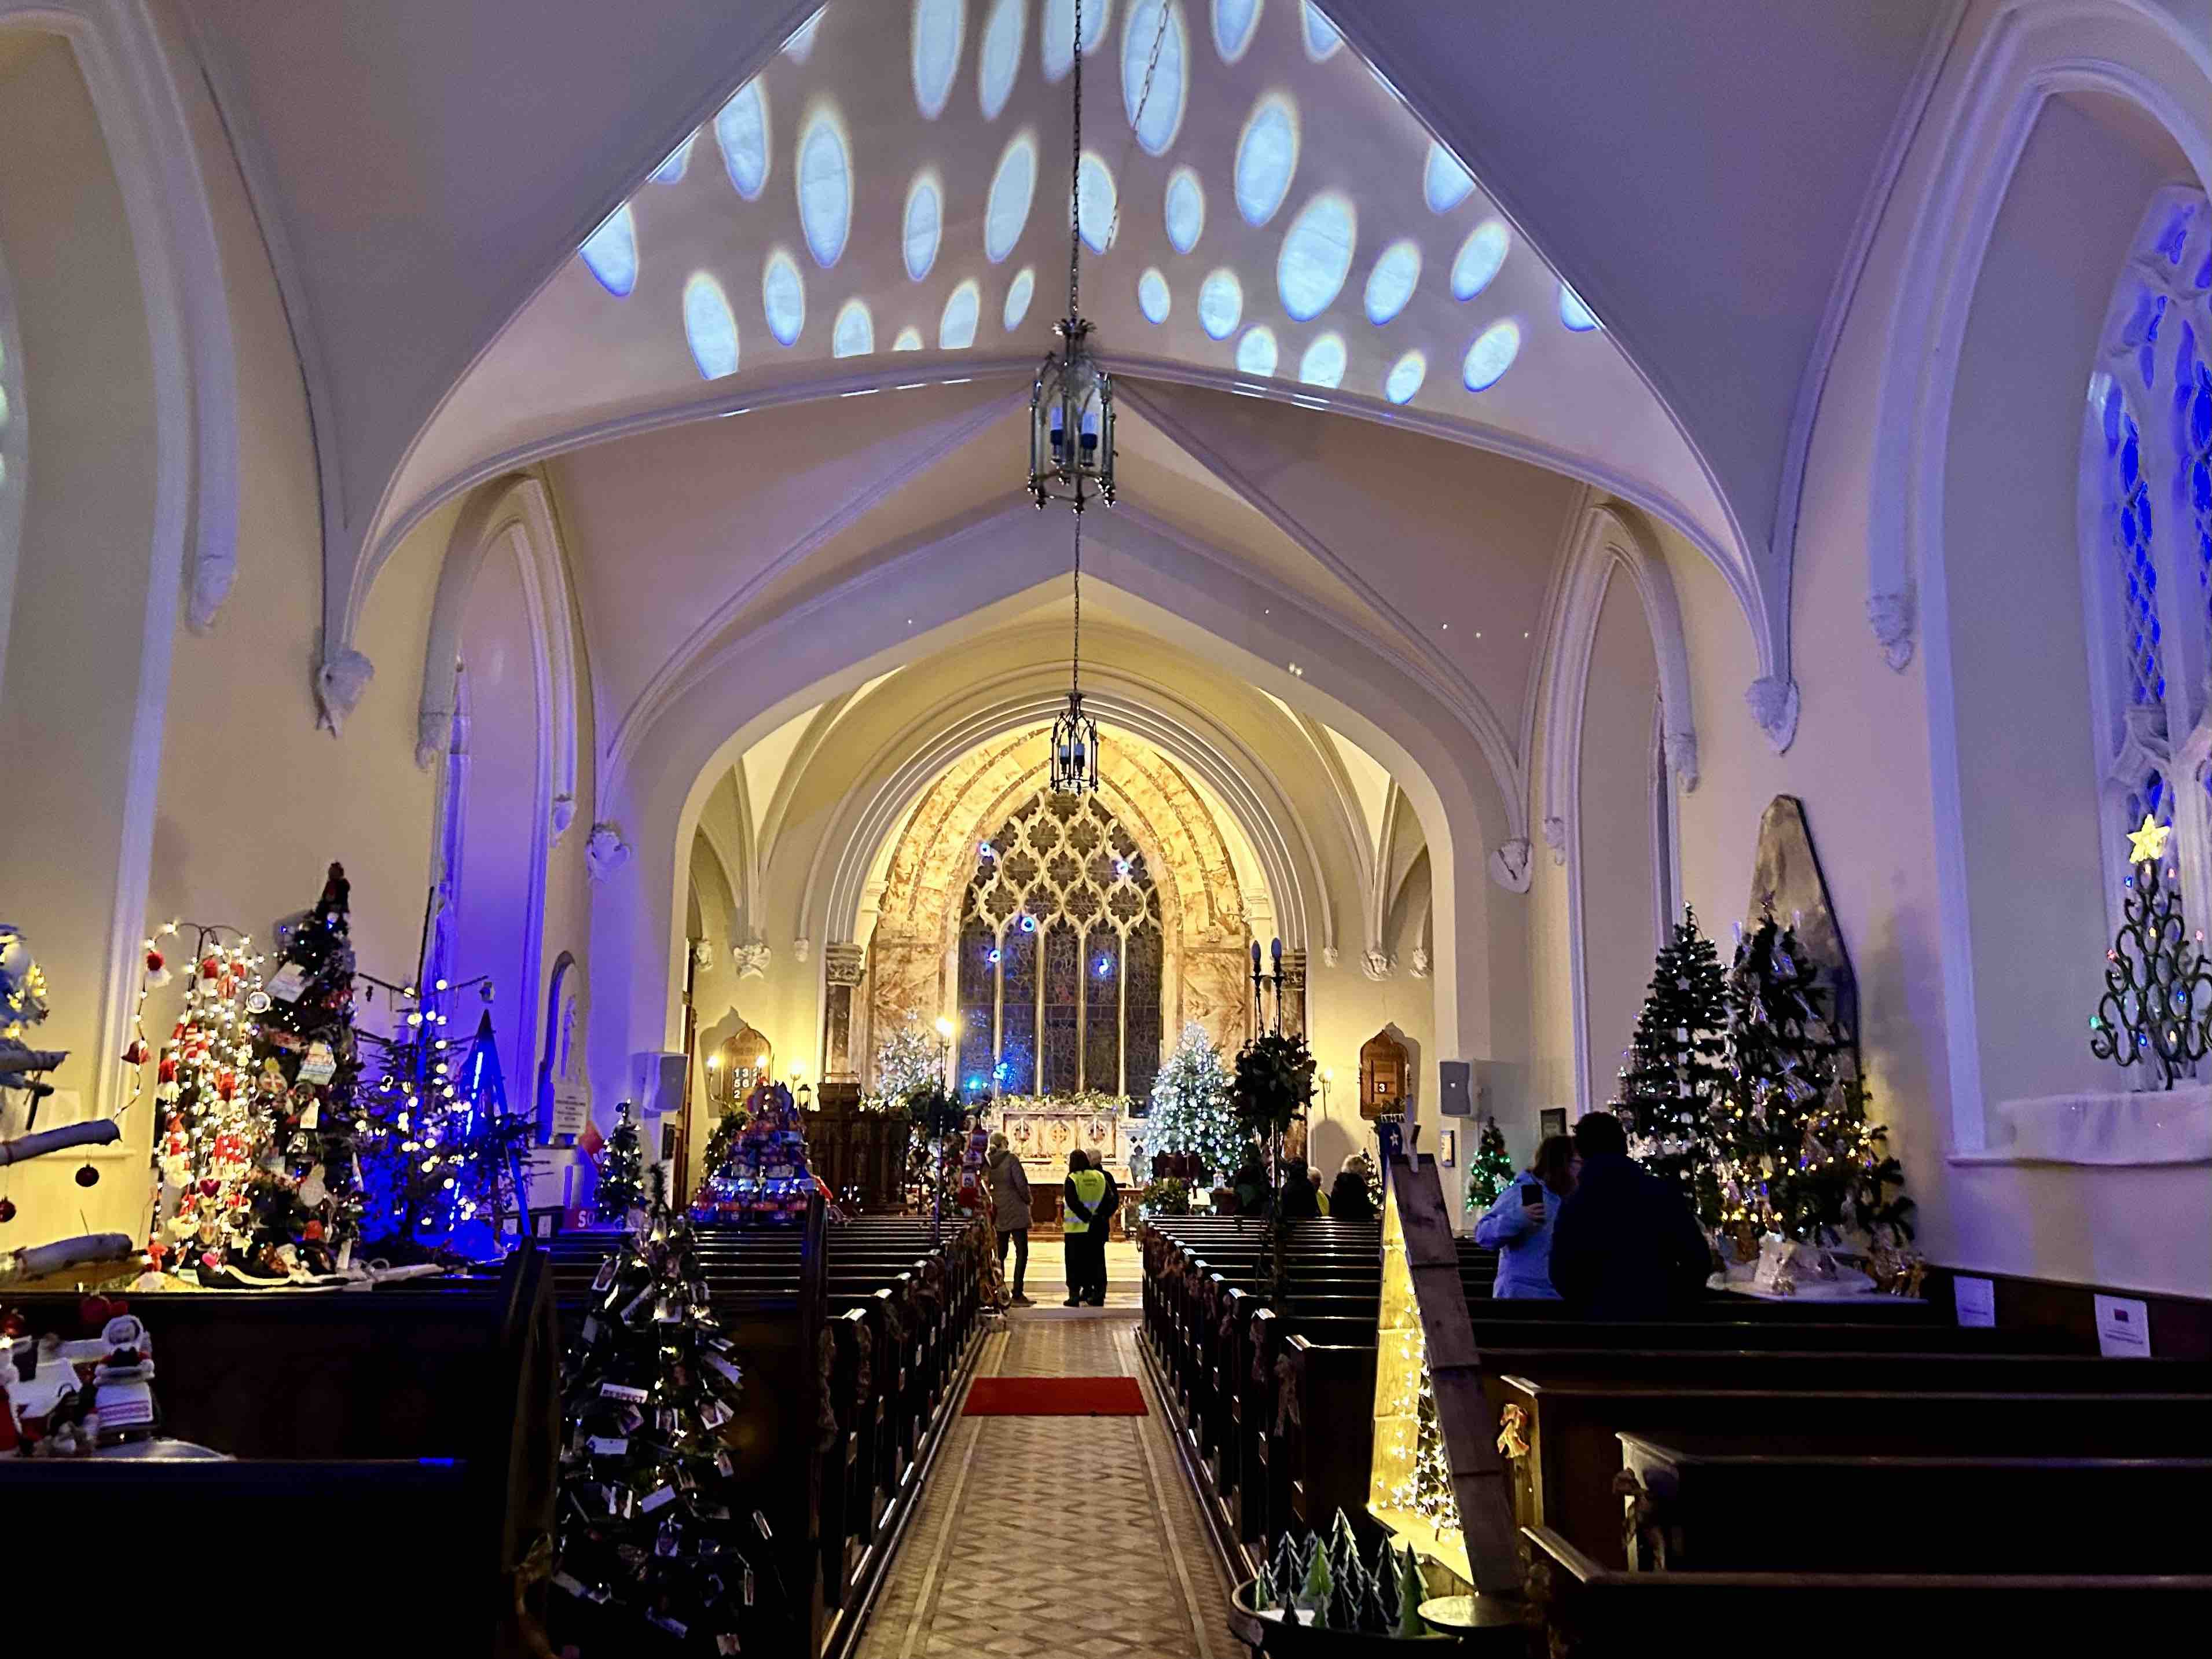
(1455, 1083)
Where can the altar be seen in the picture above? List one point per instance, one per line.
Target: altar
(1042, 1130)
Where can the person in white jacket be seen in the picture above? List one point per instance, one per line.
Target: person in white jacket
(1518, 1225)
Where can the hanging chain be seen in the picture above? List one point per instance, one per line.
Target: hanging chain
(1075, 181)
(1137, 120)
(1075, 662)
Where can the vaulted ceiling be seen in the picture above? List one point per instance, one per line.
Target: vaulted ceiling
(1699, 172)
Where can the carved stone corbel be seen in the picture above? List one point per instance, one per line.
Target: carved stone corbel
(1895, 617)
(339, 682)
(1509, 864)
(1773, 703)
(1555, 837)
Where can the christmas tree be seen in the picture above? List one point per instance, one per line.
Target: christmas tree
(909, 1059)
(307, 1199)
(2156, 1011)
(622, 1168)
(1191, 1111)
(646, 1478)
(1795, 1154)
(446, 1162)
(1673, 1081)
(1492, 1172)
(213, 1130)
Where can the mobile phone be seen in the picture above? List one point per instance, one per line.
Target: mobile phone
(1532, 1195)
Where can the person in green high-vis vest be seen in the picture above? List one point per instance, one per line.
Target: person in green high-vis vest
(1089, 1199)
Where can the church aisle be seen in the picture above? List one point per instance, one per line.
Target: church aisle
(1062, 1535)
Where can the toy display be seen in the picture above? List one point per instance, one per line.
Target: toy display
(765, 1182)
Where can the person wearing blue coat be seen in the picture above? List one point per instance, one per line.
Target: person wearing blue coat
(1521, 1232)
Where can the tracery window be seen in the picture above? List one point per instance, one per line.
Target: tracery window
(1060, 957)
(2149, 470)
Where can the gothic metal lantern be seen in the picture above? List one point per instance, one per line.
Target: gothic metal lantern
(1072, 395)
(1074, 750)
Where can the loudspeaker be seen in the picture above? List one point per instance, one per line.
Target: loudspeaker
(1453, 1080)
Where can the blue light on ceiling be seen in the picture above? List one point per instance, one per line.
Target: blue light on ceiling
(1323, 362)
(1163, 108)
(1185, 210)
(800, 47)
(1492, 354)
(1267, 156)
(1007, 208)
(709, 326)
(678, 162)
(938, 26)
(1056, 33)
(1390, 284)
(783, 296)
(1255, 352)
(1152, 296)
(1094, 184)
(1019, 294)
(909, 339)
(609, 253)
(1406, 377)
(1573, 313)
(1321, 38)
(956, 329)
(825, 188)
(854, 336)
(1316, 255)
(924, 223)
(999, 58)
(1220, 303)
(1233, 23)
(1479, 258)
(741, 134)
(1445, 183)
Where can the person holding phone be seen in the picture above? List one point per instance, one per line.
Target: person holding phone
(1518, 1225)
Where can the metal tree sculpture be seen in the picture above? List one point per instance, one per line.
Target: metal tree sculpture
(2157, 1005)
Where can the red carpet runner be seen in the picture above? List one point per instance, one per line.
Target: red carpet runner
(1055, 1396)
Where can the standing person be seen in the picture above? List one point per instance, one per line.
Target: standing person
(1300, 1201)
(1624, 1245)
(1518, 1225)
(1101, 1234)
(1250, 1184)
(1347, 1196)
(1010, 1210)
(1083, 1230)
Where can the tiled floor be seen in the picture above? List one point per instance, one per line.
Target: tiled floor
(1068, 1536)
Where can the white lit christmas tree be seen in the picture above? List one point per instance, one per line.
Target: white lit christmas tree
(1191, 1110)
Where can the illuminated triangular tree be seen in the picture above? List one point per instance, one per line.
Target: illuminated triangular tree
(1191, 1111)
(2156, 1011)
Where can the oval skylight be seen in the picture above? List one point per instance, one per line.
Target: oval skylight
(1323, 363)
(1056, 32)
(1445, 183)
(1220, 303)
(741, 134)
(909, 339)
(955, 329)
(1006, 209)
(1573, 313)
(924, 223)
(1233, 22)
(938, 26)
(825, 188)
(1094, 186)
(1321, 38)
(999, 58)
(1019, 294)
(855, 333)
(1186, 209)
(1490, 355)
(1267, 156)
(1316, 255)
(709, 326)
(1479, 258)
(609, 253)
(1405, 377)
(800, 47)
(678, 162)
(783, 296)
(1163, 108)
(1255, 352)
(1152, 296)
(1390, 284)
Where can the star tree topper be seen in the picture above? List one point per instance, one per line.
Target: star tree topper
(2148, 844)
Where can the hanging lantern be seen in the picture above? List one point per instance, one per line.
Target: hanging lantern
(1071, 423)
(1074, 750)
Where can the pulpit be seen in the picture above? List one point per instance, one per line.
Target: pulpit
(860, 1154)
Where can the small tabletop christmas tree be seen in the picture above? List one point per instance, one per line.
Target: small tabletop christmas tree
(622, 1168)
(1190, 1110)
(2156, 1011)
(647, 1483)
(1492, 1172)
(215, 1121)
(1673, 1079)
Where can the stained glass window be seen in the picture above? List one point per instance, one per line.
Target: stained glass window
(1060, 955)
(2135, 570)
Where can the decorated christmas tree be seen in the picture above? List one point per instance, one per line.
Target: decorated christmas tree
(1492, 1172)
(647, 1482)
(764, 1180)
(446, 1162)
(1795, 1154)
(306, 1200)
(1673, 1081)
(2156, 1011)
(622, 1168)
(213, 1117)
(1191, 1111)
(909, 1059)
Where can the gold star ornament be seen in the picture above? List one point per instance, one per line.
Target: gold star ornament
(2148, 844)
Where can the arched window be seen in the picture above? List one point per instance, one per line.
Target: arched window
(1061, 953)
(2147, 474)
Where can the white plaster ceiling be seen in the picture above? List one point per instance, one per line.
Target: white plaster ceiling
(1699, 169)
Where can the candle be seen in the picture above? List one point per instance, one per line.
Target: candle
(1256, 955)
(1277, 950)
